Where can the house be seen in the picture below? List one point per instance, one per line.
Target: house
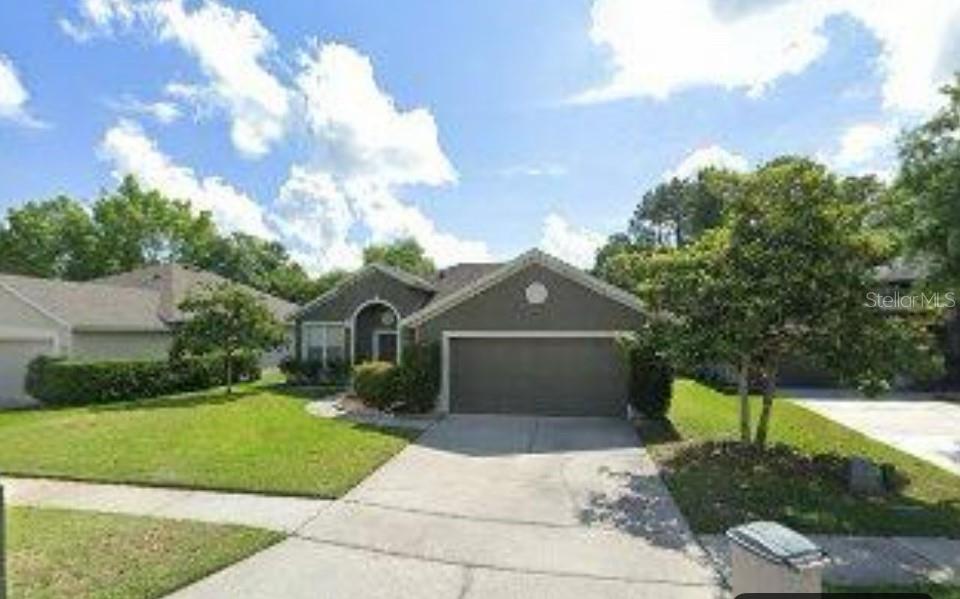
(531, 336)
(125, 316)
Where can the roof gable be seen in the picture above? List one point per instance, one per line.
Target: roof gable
(405, 278)
(493, 278)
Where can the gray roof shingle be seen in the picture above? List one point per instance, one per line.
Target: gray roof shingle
(90, 306)
(175, 282)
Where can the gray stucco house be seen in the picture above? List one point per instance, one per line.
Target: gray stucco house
(130, 315)
(532, 336)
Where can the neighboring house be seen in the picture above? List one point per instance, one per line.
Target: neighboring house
(531, 336)
(125, 316)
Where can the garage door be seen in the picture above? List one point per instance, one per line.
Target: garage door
(15, 354)
(546, 376)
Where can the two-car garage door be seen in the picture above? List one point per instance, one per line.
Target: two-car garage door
(552, 375)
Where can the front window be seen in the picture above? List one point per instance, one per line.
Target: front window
(324, 342)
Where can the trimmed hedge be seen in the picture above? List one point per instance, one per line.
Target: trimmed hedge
(409, 387)
(56, 381)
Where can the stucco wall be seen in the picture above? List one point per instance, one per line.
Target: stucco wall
(570, 306)
(120, 346)
(371, 285)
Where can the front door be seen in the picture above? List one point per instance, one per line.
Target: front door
(385, 346)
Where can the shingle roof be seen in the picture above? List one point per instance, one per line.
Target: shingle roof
(88, 305)
(174, 283)
(453, 278)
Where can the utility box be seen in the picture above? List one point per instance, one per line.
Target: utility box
(766, 557)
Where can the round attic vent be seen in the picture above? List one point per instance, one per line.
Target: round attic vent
(536, 293)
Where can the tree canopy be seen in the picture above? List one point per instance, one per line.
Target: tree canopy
(928, 186)
(226, 320)
(786, 272)
(406, 254)
(131, 227)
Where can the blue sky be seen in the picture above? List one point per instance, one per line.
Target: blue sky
(480, 128)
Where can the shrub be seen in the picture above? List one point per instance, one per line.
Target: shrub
(376, 384)
(651, 377)
(313, 372)
(56, 381)
(418, 378)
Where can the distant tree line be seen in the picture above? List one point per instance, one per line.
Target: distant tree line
(131, 227)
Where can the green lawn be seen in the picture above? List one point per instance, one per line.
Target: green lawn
(717, 490)
(59, 553)
(260, 439)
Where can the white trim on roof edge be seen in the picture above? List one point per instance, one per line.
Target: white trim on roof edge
(533, 256)
(404, 277)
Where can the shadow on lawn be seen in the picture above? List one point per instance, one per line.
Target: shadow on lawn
(723, 484)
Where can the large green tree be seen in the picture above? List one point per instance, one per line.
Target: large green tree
(53, 239)
(787, 272)
(406, 254)
(226, 320)
(928, 186)
(679, 211)
(137, 226)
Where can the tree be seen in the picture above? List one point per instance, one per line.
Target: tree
(928, 186)
(406, 254)
(137, 227)
(788, 271)
(227, 320)
(677, 212)
(53, 239)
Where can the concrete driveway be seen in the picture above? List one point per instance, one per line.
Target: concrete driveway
(915, 424)
(491, 506)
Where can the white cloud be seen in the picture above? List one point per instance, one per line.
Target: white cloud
(575, 245)
(129, 150)
(658, 49)
(14, 96)
(231, 47)
(163, 112)
(99, 17)
(365, 148)
(702, 158)
(361, 132)
(867, 148)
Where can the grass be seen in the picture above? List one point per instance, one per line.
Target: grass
(85, 555)
(717, 489)
(260, 439)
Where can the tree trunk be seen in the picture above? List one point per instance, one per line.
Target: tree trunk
(743, 390)
(229, 373)
(769, 388)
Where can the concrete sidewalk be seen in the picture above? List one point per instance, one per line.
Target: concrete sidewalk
(284, 514)
(867, 561)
